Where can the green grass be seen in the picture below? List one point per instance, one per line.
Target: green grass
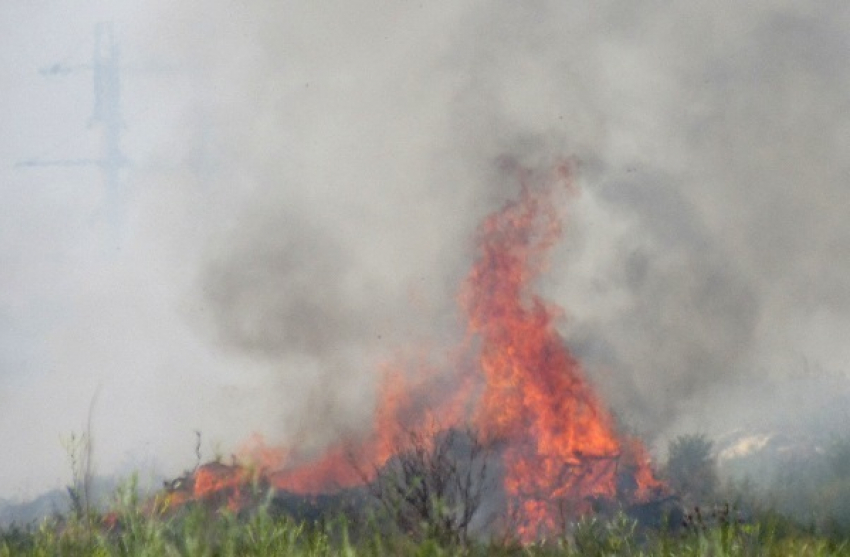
(198, 531)
(134, 527)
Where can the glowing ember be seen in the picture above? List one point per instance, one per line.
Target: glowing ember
(524, 391)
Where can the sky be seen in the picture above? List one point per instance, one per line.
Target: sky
(303, 184)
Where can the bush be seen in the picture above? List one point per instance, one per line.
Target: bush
(691, 469)
(432, 488)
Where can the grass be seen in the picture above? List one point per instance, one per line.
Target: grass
(200, 531)
(819, 527)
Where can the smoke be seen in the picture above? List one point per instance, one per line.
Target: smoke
(308, 178)
(730, 244)
(708, 233)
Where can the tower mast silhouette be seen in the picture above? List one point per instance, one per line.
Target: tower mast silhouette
(106, 114)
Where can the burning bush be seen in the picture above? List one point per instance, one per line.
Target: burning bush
(517, 384)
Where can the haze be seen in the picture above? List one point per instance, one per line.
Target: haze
(305, 179)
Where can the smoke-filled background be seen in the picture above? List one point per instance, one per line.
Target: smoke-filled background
(303, 187)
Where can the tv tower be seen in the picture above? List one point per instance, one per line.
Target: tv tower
(106, 114)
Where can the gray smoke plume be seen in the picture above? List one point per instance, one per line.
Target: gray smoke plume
(308, 178)
(709, 229)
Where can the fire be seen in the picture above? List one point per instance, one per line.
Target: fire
(516, 382)
(562, 447)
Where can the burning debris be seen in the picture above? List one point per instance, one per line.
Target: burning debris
(243, 489)
(514, 381)
(217, 484)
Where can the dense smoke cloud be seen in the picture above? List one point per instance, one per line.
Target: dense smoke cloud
(311, 178)
(709, 227)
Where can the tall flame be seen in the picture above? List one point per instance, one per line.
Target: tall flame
(524, 391)
(562, 447)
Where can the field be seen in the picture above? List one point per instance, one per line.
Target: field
(131, 528)
(202, 534)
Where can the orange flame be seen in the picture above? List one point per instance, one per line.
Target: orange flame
(525, 390)
(562, 446)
